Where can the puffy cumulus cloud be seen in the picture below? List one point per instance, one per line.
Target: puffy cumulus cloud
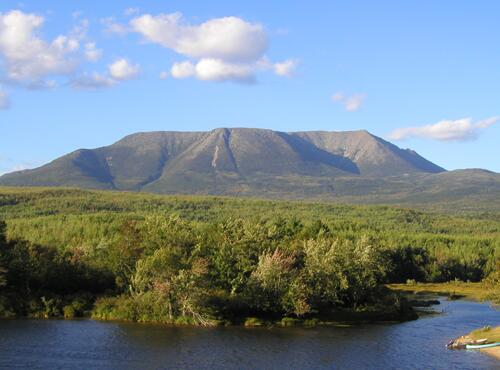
(228, 38)
(219, 49)
(351, 103)
(28, 59)
(286, 68)
(122, 69)
(447, 130)
(209, 69)
(4, 100)
(183, 69)
(32, 62)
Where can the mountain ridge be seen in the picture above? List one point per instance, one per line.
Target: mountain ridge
(249, 161)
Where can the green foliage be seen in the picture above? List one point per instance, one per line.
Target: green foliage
(39, 281)
(492, 284)
(69, 312)
(115, 308)
(200, 260)
(51, 307)
(253, 321)
(164, 280)
(342, 272)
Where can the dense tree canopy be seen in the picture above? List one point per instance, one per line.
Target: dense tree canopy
(201, 260)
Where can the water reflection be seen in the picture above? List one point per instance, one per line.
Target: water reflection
(58, 344)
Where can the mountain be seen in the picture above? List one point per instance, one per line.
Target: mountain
(259, 162)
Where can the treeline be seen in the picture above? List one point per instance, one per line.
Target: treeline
(204, 259)
(169, 270)
(41, 281)
(166, 269)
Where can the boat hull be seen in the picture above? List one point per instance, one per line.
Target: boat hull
(480, 346)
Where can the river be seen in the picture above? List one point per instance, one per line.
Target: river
(88, 344)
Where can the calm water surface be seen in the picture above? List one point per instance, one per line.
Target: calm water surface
(87, 344)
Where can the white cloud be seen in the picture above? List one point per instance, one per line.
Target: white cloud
(92, 81)
(28, 59)
(118, 71)
(164, 75)
(285, 68)
(228, 38)
(4, 100)
(92, 54)
(131, 11)
(351, 103)
(122, 69)
(447, 130)
(182, 70)
(219, 49)
(209, 69)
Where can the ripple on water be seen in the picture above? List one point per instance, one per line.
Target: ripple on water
(86, 344)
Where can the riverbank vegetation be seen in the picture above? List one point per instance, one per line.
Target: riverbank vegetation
(487, 290)
(209, 260)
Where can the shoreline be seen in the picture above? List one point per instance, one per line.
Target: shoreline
(486, 334)
(339, 319)
(344, 318)
(493, 352)
(453, 290)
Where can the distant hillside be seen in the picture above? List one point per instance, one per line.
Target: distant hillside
(353, 165)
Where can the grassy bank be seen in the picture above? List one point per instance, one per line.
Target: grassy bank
(491, 334)
(455, 290)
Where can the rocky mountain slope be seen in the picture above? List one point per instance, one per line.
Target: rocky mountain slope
(258, 162)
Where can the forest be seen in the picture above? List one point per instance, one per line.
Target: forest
(208, 260)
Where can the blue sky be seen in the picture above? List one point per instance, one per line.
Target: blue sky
(423, 74)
